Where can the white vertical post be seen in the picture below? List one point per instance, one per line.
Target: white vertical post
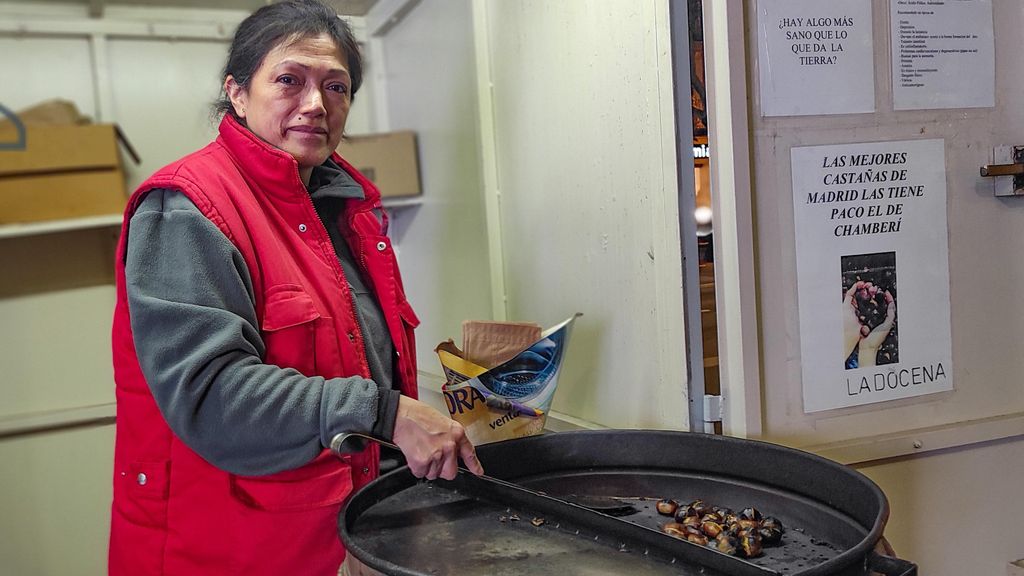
(381, 115)
(735, 264)
(488, 156)
(101, 79)
(679, 27)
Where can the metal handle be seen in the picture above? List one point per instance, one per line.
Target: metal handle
(993, 170)
(1007, 170)
(340, 440)
(890, 566)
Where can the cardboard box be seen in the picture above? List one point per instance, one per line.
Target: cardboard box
(389, 160)
(64, 171)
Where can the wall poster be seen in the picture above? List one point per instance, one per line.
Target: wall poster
(872, 271)
(943, 54)
(815, 57)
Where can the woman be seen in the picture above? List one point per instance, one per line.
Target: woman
(259, 315)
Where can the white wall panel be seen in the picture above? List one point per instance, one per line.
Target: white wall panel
(55, 502)
(361, 115)
(431, 88)
(980, 487)
(162, 93)
(582, 98)
(55, 350)
(37, 69)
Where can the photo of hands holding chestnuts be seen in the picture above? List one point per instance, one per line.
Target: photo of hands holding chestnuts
(869, 310)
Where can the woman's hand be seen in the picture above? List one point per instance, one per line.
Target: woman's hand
(869, 345)
(432, 442)
(853, 330)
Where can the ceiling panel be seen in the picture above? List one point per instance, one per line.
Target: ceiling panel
(345, 7)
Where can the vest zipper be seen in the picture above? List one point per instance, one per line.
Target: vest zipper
(398, 366)
(340, 273)
(344, 285)
(362, 266)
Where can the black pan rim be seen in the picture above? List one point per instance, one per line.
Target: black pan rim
(402, 479)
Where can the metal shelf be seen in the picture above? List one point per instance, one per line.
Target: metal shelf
(114, 220)
(402, 202)
(22, 424)
(64, 225)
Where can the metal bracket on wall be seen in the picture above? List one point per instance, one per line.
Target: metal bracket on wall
(20, 142)
(712, 408)
(1008, 170)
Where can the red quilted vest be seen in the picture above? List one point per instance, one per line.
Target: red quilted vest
(174, 513)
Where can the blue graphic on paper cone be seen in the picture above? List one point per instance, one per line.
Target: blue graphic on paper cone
(528, 380)
(525, 376)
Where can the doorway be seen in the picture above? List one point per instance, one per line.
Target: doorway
(703, 214)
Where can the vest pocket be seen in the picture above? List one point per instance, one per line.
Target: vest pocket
(289, 327)
(289, 492)
(142, 493)
(407, 363)
(138, 530)
(408, 315)
(287, 523)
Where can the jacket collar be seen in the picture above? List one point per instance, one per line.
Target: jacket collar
(330, 181)
(275, 171)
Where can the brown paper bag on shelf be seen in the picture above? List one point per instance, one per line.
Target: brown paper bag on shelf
(51, 112)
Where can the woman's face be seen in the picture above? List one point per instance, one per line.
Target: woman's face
(298, 99)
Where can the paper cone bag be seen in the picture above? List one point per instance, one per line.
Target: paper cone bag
(510, 400)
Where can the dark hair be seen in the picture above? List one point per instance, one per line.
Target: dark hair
(282, 22)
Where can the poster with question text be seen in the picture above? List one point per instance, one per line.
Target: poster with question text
(815, 57)
(872, 271)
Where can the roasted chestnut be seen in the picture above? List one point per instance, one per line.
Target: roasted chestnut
(692, 521)
(685, 511)
(769, 536)
(727, 544)
(700, 508)
(711, 528)
(750, 546)
(667, 507)
(712, 517)
(692, 530)
(751, 514)
(747, 531)
(675, 529)
(748, 524)
(697, 539)
(772, 522)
